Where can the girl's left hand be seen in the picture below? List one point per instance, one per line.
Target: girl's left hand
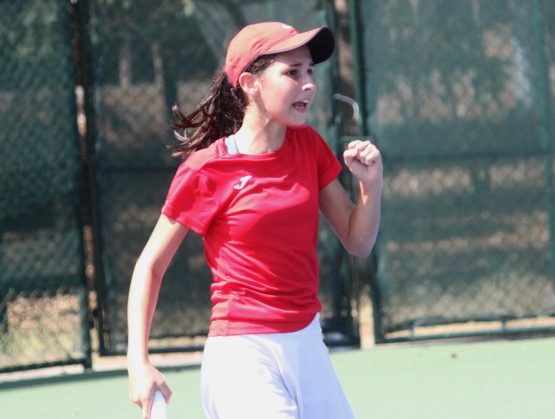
(364, 161)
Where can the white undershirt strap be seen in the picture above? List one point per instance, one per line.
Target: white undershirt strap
(231, 145)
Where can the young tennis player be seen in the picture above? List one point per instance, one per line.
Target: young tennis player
(252, 183)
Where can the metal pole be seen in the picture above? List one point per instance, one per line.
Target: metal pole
(343, 275)
(358, 61)
(92, 204)
(543, 93)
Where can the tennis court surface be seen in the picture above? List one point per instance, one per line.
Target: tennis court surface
(470, 380)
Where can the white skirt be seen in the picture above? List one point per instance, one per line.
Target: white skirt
(271, 376)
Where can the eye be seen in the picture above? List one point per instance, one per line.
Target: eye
(310, 71)
(293, 72)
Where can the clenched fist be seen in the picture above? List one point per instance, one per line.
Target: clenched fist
(364, 161)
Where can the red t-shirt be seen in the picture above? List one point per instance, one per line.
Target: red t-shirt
(258, 215)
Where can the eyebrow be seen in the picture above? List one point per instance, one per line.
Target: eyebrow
(311, 64)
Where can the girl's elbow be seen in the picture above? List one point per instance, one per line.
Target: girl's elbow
(361, 250)
(361, 253)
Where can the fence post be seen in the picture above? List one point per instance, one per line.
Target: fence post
(91, 198)
(359, 67)
(359, 61)
(543, 93)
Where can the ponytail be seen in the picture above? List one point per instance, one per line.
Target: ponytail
(220, 114)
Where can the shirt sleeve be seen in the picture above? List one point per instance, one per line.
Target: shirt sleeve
(328, 164)
(191, 199)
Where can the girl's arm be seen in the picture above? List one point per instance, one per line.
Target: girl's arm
(357, 225)
(149, 270)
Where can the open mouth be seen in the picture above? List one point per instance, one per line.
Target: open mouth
(301, 105)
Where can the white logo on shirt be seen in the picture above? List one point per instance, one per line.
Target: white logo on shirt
(242, 183)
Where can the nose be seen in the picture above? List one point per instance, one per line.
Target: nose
(309, 84)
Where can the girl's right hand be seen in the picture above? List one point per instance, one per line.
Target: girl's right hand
(144, 380)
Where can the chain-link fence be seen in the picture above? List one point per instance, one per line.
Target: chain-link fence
(147, 56)
(134, 61)
(43, 307)
(459, 97)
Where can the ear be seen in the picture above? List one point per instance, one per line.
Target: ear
(248, 83)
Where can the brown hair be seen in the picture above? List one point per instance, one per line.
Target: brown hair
(220, 114)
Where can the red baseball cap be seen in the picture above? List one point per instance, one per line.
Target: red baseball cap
(272, 38)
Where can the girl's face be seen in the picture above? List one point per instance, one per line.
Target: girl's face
(286, 88)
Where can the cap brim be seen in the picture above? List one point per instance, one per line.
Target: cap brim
(320, 42)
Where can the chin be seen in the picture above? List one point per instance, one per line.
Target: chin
(296, 122)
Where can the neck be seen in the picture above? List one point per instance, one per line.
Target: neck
(257, 136)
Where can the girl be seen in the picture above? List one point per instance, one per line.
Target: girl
(254, 179)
